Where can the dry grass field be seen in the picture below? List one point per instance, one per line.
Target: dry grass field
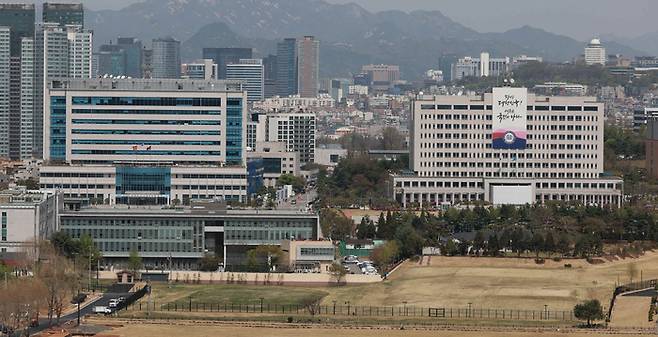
(200, 330)
(502, 283)
(631, 312)
(499, 283)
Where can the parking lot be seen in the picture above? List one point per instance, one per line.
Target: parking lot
(353, 265)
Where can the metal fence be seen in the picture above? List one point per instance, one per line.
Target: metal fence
(359, 311)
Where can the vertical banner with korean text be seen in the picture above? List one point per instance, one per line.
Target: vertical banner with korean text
(510, 114)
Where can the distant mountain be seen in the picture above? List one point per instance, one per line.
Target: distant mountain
(336, 59)
(350, 35)
(647, 42)
(555, 47)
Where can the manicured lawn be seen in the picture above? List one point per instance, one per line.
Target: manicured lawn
(235, 294)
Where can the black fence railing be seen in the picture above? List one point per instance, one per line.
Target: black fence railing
(134, 297)
(359, 311)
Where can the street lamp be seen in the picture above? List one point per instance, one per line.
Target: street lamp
(469, 309)
(405, 307)
(546, 311)
(190, 303)
(334, 307)
(348, 308)
(261, 304)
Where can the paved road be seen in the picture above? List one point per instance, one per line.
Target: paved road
(301, 200)
(87, 310)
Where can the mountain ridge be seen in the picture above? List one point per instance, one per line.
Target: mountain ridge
(414, 40)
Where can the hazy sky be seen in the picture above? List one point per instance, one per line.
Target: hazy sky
(581, 19)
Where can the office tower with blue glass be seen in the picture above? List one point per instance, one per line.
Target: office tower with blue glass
(251, 72)
(145, 142)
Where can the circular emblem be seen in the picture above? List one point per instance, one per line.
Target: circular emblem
(509, 137)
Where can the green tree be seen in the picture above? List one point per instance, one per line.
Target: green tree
(88, 252)
(589, 311)
(65, 245)
(337, 272)
(479, 242)
(209, 262)
(366, 229)
(135, 262)
(385, 254)
(298, 183)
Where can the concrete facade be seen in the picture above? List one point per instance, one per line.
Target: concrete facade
(452, 159)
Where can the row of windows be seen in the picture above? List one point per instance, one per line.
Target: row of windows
(530, 117)
(76, 186)
(142, 142)
(512, 174)
(210, 176)
(147, 101)
(489, 107)
(147, 152)
(146, 132)
(71, 175)
(306, 251)
(145, 122)
(472, 184)
(147, 112)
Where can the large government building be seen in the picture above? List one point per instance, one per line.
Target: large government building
(506, 147)
(145, 142)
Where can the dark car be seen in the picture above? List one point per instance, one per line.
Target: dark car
(79, 298)
(6, 330)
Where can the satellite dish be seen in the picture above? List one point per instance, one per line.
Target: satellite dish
(420, 93)
(511, 80)
(505, 80)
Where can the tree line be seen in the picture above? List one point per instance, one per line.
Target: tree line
(560, 229)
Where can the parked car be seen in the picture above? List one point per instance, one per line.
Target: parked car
(100, 309)
(121, 299)
(6, 330)
(113, 303)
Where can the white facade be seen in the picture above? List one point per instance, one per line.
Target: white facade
(329, 155)
(482, 67)
(80, 52)
(295, 102)
(277, 160)
(26, 218)
(136, 141)
(453, 159)
(296, 130)
(200, 70)
(251, 73)
(5, 50)
(187, 183)
(595, 53)
(106, 132)
(27, 98)
(360, 90)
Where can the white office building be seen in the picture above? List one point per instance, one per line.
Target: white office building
(27, 217)
(595, 53)
(277, 160)
(60, 52)
(251, 73)
(295, 102)
(200, 70)
(514, 149)
(296, 130)
(5, 59)
(483, 66)
(136, 141)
